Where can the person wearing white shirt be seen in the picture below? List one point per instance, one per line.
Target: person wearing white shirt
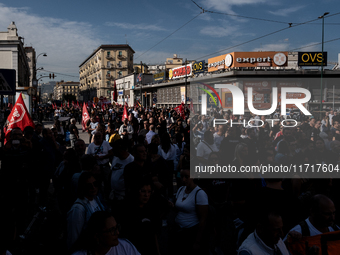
(205, 147)
(102, 235)
(321, 219)
(118, 164)
(266, 239)
(192, 210)
(135, 113)
(150, 134)
(126, 130)
(102, 151)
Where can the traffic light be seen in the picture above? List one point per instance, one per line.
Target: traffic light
(50, 76)
(53, 75)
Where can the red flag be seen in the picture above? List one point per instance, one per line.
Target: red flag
(125, 114)
(180, 110)
(77, 104)
(19, 117)
(94, 106)
(72, 103)
(68, 103)
(103, 108)
(114, 95)
(85, 117)
(52, 106)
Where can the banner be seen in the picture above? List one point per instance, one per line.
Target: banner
(19, 117)
(85, 117)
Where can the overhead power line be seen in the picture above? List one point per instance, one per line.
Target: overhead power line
(315, 44)
(169, 35)
(291, 25)
(61, 73)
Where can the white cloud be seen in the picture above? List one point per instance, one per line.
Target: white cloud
(135, 26)
(67, 43)
(226, 5)
(215, 31)
(306, 47)
(273, 47)
(286, 11)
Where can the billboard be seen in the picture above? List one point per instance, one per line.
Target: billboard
(216, 63)
(198, 67)
(289, 95)
(312, 59)
(248, 59)
(159, 77)
(261, 94)
(180, 72)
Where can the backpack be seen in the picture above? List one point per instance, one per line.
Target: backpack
(305, 229)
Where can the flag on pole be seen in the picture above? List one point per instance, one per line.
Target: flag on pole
(19, 117)
(125, 114)
(68, 103)
(85, 117)
(94, 106)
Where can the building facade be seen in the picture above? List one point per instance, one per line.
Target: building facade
(98, 72)
(12, 56)
(66, 88)
(31, 58)
(173, 62)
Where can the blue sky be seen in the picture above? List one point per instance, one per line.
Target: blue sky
(69, 31)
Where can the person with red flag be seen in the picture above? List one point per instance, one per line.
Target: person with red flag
(180, 110)
(18, 118)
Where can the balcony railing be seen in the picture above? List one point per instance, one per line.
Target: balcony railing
(110, 57)
(120, 56)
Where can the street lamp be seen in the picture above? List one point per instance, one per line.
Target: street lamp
(323, 26)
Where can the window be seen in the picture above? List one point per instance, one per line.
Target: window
(120, 73)
(120, 53)
(108, 54)
(120, 64)
(108, 64)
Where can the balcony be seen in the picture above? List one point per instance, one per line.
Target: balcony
(111, 66)
(121, 56)
(109, 77)
(121, 66)
(110, 57)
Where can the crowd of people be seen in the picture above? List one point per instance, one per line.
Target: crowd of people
(127, 187)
